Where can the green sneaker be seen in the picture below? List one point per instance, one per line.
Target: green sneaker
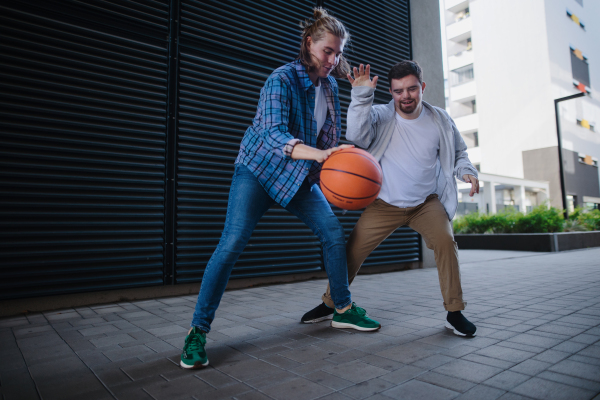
(354, 318)
(194, 355)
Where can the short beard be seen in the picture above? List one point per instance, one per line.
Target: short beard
(399, 107)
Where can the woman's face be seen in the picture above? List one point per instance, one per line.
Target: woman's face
(327, 52)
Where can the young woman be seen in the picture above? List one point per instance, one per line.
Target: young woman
(297, 126)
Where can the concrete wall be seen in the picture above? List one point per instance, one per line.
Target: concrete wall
(427, 48)
(580, 179)
(514, 99)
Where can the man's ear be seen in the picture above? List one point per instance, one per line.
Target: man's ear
(391, 91)
(423, 87)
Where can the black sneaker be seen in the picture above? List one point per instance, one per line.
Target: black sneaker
(459, 324)
(317, 314)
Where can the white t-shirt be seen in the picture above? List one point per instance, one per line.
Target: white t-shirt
(320, 107)
(410, 162)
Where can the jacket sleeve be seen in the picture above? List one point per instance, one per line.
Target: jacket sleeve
(462, 164)
(362, 117)
(273, 116)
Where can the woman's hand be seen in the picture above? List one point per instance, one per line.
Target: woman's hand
(304, 152)
(324, 154)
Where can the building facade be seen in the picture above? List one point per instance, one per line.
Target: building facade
(507, 61)
(121, 121)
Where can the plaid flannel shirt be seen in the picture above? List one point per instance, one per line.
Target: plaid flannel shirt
(284, 118)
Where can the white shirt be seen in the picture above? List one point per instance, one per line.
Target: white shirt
(320, 107)
(410, 161)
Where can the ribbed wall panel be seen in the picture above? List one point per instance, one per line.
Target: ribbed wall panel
(380, 36)
(228, 49)
(82, 160)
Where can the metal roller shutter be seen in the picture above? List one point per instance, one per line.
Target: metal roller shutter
(380, 36)
(227, 51)
(82, 121)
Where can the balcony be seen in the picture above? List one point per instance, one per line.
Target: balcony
(456, 5)
(460, 59)
(460, 30)
(464, 93)
(468, 123)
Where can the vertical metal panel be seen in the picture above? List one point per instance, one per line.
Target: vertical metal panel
(380, 36)
(82, 158)
(228, 49)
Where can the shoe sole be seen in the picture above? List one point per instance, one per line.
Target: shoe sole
(197, 365)
(335, 324)
(314, 321)
(449, 326)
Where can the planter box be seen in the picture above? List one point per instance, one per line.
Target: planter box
(546, 242)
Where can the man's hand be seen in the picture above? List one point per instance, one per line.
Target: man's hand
(362, 77)
(474, 184)
(324, 154)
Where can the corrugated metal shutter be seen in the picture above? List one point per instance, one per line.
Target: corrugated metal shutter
(83, 145)
(228, 49)
(380, 36)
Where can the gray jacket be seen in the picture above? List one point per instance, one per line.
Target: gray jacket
(371, 127)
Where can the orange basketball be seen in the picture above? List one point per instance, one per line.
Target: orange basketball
(351, 179)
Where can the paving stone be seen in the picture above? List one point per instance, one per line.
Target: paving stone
(548, 390)
(570, 380)
(570, 347)
(481, 392)
(585, 360)
(17, 384)
(382, 362)
(417, 390)
(403, 374)
(154, 368)
(433, 361)
(215, 378)
(586, 338)
(468, 370)
(551, 356)
(329, 380)
(506, 380)
(493, 362)
(535, 340)
(448, 382)
(179, 389)
(98, 330)
(505, 353)
(409, 353)
(298, 388)
(577, 369)
(129, 352)
(356, 371)
(111, 340)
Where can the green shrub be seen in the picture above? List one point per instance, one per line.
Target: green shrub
(589, 219)
(540, 220)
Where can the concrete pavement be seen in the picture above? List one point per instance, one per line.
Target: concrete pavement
(538, 319)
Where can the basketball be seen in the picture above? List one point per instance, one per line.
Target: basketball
(351, 179)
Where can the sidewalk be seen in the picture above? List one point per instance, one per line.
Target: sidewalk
(538, 337)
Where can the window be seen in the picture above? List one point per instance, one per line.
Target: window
(462, 75)
(474, 106)
(586, 124)
(477, 167)
(580, 2)
(580, 67)
(462, 15)
(575, 19)
(471, 139)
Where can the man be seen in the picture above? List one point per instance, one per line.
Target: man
(420, 152)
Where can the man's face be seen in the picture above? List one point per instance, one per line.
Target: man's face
(407, 93)
(327, 52)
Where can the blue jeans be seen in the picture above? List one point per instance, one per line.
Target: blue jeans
(248, 202)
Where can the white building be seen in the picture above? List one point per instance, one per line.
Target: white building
(507, 61)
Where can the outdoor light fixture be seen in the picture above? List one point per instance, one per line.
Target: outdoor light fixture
(560, 157)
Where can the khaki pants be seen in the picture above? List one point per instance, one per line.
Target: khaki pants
(381, 219)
